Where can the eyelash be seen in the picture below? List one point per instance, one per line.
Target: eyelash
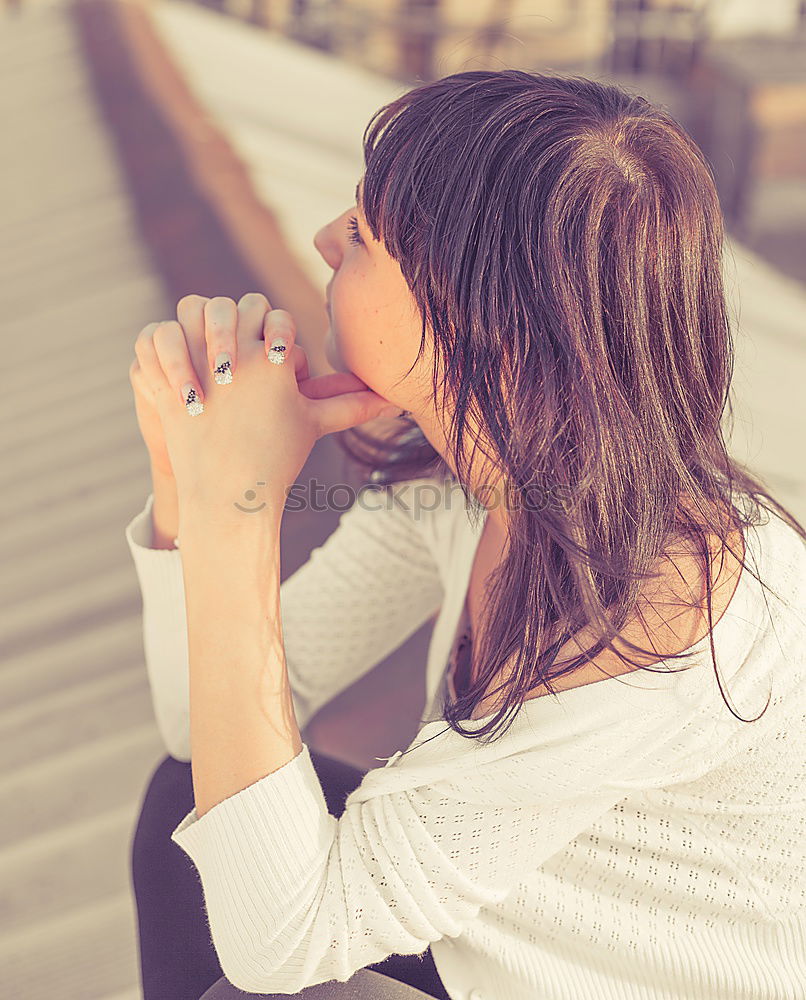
(354, 236)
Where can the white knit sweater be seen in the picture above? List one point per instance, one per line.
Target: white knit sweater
(627, 840)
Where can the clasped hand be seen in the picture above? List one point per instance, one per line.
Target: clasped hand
(257, 428)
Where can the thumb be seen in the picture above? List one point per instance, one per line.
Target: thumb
(348, 409)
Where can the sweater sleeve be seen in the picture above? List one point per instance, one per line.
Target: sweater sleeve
(295, 897)
(361, 594)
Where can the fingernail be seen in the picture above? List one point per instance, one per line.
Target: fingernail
(223, 368)
(191, 399)
(277, 350)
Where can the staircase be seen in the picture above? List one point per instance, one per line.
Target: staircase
(90, 253)
(77, 735)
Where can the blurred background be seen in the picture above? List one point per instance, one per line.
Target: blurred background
(154, 149)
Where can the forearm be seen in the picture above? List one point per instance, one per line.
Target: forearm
(165, 511)
(242, 721)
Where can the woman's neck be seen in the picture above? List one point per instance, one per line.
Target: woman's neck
(485, 485)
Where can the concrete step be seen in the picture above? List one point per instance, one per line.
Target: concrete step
(37, 494)
(104, 594)
(86, 953)
(66, 719)
(98, 530)
(57, 664)
(112, 430)
(69, 866)
(104, 505)
(133, 994)
(95, 777)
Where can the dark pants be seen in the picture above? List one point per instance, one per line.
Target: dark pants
(177, 958)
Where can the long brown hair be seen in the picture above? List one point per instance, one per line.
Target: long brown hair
(563, 239)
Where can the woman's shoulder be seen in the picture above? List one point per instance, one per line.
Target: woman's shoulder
(782, 551)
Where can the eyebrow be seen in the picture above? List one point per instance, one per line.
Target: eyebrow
(357, 196)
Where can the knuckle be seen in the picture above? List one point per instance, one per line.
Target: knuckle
(282, 316)
(176, 371)
(190, 313)
(166, 333)
(146, 332)
(191, 301)
(250, 300)
(219, 308)
(221, 334)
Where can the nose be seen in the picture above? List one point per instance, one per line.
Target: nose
(328, 243)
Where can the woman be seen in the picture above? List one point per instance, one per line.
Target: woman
(604, 798)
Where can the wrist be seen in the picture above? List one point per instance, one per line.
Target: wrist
(214, 518)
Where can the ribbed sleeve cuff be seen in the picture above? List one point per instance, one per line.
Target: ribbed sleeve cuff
(262, 848)
(165, 643)
(156, 568)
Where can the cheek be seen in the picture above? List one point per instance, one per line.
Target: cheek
(356, 332)
(371, 334)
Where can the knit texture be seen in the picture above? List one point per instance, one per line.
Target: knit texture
(629, 839)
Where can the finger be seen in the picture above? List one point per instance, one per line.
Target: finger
(139, 383)
(337, 413)
(150, 373)
(252, 309)
(220, 335)
(190, 314)
(300, 359)
(171, 349)
(332, 384)
(279, 332)
(136, 374)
